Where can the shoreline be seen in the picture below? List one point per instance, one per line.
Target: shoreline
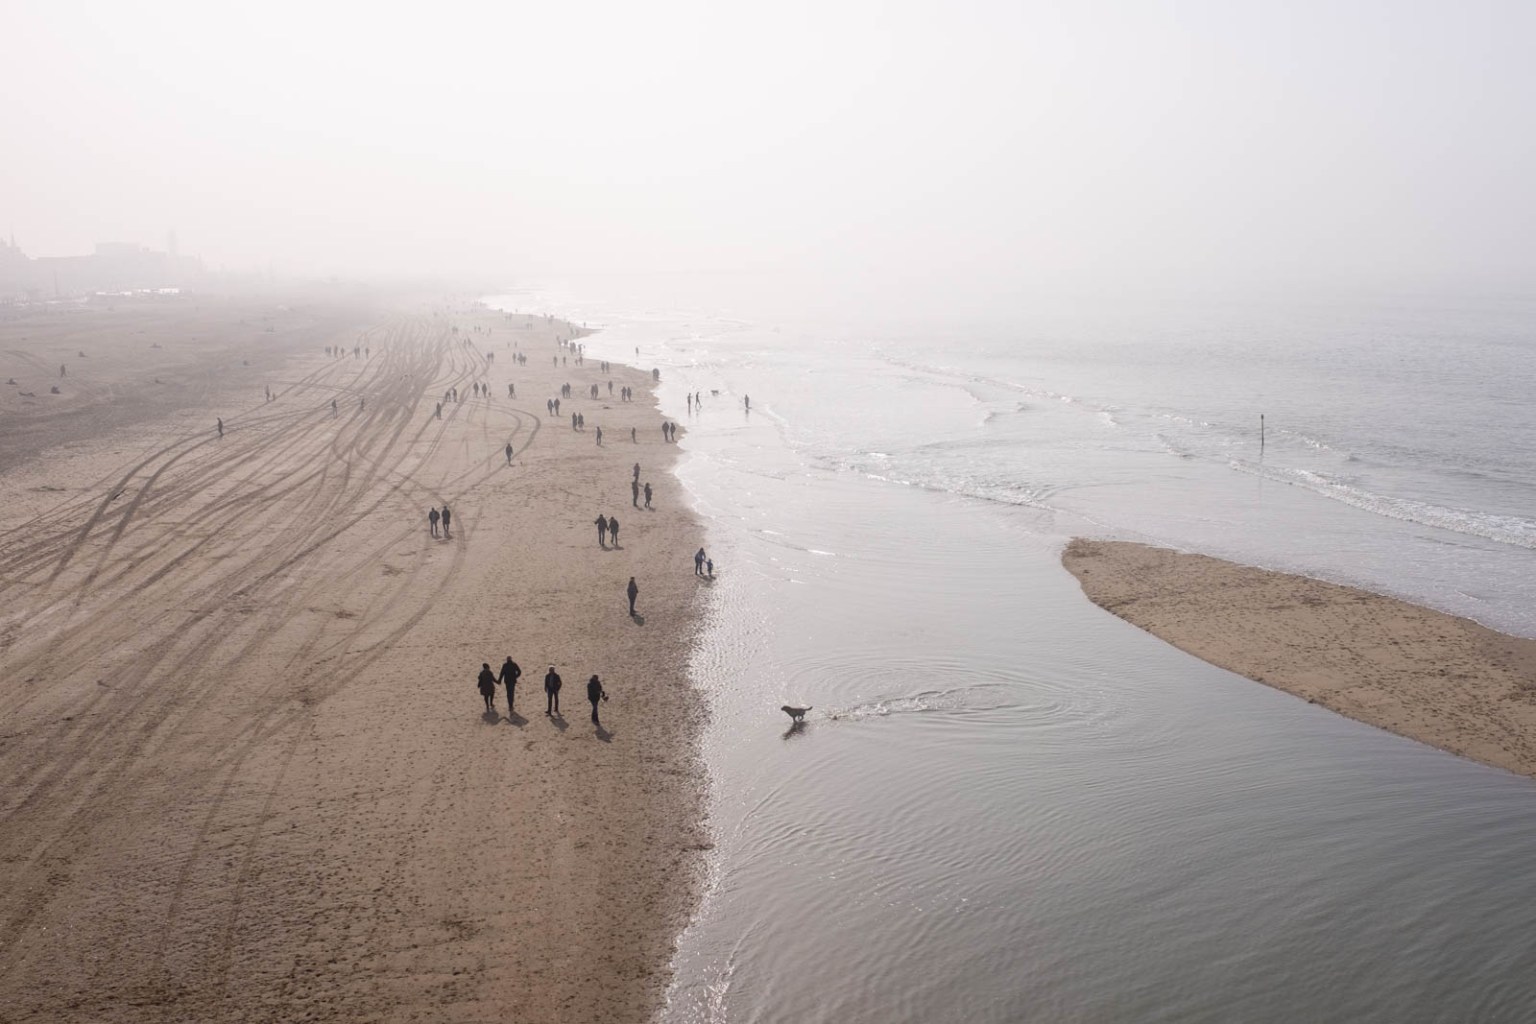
(251, 776)
(1445, 681)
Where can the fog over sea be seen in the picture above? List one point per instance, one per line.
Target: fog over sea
(1008, 804)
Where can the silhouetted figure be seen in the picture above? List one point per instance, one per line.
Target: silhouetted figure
(746, 402)
(551, 692)
(690, 403)
(632, 438)
(439, 410)
(709, 565)
(447, 516)
(698, 562)
(599, 435)
(511, 391)
(62, 371)
(647, 495)
(637, 471)
(488, 686)
(508, 678)
(594, 694)
(509, 453)
(634, 488)
(221, 427)
(613, 530)
(633, 590)
(334, 409)
(432, 518)
(602, 530)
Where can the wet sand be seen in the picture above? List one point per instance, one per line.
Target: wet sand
(1436, 678)
(249, 777)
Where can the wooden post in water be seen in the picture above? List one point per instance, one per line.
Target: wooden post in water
(1261, 432)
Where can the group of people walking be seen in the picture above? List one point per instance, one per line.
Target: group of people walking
(607, 527)
(487, 682)
(445, 517)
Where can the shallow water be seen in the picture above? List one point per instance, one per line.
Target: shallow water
(1009, 805)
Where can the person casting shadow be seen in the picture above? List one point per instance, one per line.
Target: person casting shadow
(552, 692)
(510, 673)
(596, 695)
(487, 682)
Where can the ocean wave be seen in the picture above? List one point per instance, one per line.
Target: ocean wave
(1504, 529)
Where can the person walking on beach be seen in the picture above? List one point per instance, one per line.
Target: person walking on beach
(432, 518)
(637, 471)
(602, 530)
(552, 692)
(613, 530)
(594, 694)
(508, 678)
(647, 495)
(446, 516)
(634, 489)
(221, 425)
(709, 566)
(439, 410)
(599, 436)
(746, 402)
(487, 682)
(509, 453)
(698, 562)
(632, 438)
(633, 590)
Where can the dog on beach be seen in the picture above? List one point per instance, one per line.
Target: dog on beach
(798, 714)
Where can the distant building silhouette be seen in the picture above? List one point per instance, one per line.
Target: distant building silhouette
(113, 267)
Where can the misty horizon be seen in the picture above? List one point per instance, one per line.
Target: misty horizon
(1102, 147)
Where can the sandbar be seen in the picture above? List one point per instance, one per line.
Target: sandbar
(1433, 677)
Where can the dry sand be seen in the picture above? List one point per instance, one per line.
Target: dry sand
(1442, 680)
(248, 774)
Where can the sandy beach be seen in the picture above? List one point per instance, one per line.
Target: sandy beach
(249, 777)
(1436, 678)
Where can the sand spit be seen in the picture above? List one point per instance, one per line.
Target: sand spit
(248, 775)
(1442, 680)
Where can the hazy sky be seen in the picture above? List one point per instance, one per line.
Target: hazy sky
(1075, 142)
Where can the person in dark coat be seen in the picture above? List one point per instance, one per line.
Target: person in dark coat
(602, 529)
(508, 678)
(446, 516)
(432, 518)
(488, 686)
(633, 590)
(552, 691)
(613, 530)
(594, 694)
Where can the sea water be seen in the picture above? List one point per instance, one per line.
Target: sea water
(1009, 805)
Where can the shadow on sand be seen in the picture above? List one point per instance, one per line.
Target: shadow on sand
(639, 619)
(559, 721)
(604, 734)
(795, 729)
